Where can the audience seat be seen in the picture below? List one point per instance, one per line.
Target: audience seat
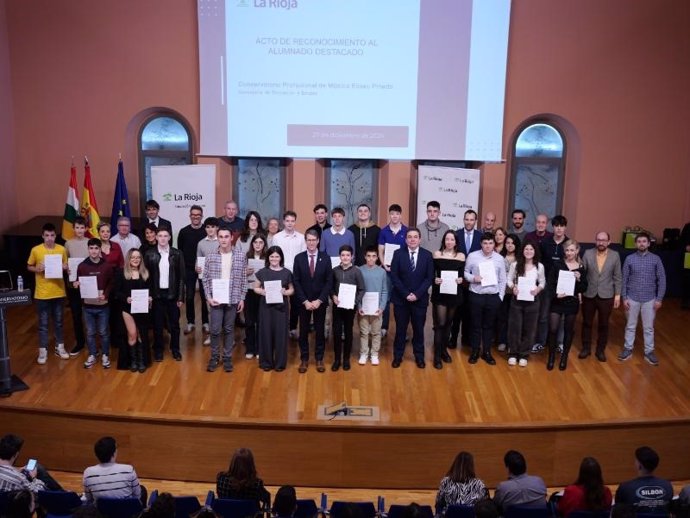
(184, 505)
(460, 511)
(395, 511)
(367, 508)
(519, 511)
(119, 507)
(59, 503)
(228, 508)
(306, 509)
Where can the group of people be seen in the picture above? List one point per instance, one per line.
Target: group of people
(514, 290)
(460, 486)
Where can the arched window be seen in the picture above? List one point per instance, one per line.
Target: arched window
(538, 164)
(164, 140)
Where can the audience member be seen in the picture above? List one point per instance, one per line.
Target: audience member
(109, 478)
(647, 492)
(432, 228)
(603, 293)
(588, 493)
(49, 293)
(644, 287)
(460, 486)
(520, 488)
(285, 502)
(241, 481)
(162, 507)
(16, 479)
(19, 504)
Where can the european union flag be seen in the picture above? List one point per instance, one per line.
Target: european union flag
(120, 198)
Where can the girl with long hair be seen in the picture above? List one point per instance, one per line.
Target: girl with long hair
(588, 493)
(460, 486)
(241, 482)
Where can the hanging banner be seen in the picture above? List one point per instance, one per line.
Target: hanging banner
(456, 189)
(177, 187)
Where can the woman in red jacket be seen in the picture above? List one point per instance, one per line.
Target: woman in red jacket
(588, 493)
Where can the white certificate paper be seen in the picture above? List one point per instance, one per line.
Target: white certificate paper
(53, 266)
(140, 301)
(200, 261)
(449, 283)
(88, 287)
(487, 271)
(566, 282)
(274, 293)
(335, 261)
(72, 265)
(525, 285)
(346, 296)
(370, 303)
(221, 290)
(388, 251)
(256, 264)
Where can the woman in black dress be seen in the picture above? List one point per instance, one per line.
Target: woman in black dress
(563, 305)
(134, 276)
(240, 481)
(257, 250)
(444, 305)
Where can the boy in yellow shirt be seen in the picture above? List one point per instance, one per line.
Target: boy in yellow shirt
(50, 291)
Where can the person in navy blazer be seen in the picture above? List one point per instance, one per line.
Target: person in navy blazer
(410, 295)
(469, 222)
(311, 292)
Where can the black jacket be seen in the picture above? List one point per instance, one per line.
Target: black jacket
(177, 279)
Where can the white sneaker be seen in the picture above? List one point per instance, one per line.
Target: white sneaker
(384, 332)
(60, 351)
(249, 356)
(105, 361)
(374, 360)
(501, 347)
(512, 361)
(207, 340)
(188, 328)
(362, 359)
(560, 348)
(90, 361)
(42, 356)
(206, 328)
(523, 362)
(294, 334)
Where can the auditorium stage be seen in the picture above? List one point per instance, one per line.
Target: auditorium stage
(176, 421)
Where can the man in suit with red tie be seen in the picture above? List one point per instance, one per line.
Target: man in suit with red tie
(412, 272)
(313, 279)
(604, 282)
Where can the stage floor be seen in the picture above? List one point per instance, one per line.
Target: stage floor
(482, 407)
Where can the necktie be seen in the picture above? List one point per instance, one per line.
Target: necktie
(468, 241)
(312, 267)
(412, 265)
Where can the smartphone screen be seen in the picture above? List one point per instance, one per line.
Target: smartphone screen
(31, 465)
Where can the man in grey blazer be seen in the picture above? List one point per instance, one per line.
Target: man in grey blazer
(604, 281)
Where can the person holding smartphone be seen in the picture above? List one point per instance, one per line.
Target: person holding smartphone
(32, 477)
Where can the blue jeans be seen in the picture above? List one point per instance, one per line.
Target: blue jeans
(648, 313)
(96, 319)
(48, 308)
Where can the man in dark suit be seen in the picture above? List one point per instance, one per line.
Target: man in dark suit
(604, 283)
(469, 239)
(313, 279)
(412, 272)
(152, 208)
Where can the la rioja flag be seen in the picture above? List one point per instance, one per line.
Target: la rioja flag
(71, 206)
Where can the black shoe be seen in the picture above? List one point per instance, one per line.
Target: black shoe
(346, 365)
(280, 369)
(177, 356)
(157, 357)
(336, 366)
(227, 364)
(438, 364)
(563, 363)
(600, 356)
(551, 360)
(474, 357)
(212, 365)
(488, 358)
(76, 350)
(453, 344)
(396, 363)
(420, 364)
(445, 357)
(584, 353)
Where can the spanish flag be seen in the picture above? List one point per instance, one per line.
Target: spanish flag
(71, 206)
(89, 207)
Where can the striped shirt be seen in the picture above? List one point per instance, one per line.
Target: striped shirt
(459, 493)
(111, 480)
(13, 480)
(644, 277)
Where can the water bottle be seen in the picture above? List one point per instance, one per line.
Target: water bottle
(20, 283)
